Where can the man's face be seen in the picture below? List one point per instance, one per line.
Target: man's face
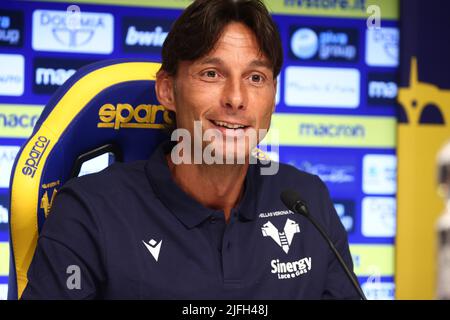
(231, 89)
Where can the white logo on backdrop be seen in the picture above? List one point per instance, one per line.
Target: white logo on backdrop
(12, 73)
(322, 87)
(379, 174)
(3, 214)
(7, 156)
(3, 291)
(382, 89)
(52, 76)
(154, 38)
(382, 47)
(378, 216)
(304, 43)
(53, 32)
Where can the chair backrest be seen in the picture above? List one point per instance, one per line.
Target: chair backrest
(108, 106)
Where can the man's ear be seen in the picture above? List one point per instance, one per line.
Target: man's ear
(164, 90)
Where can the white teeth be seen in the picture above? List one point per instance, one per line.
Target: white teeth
(228, 125)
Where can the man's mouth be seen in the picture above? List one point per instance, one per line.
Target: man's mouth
(228, 125)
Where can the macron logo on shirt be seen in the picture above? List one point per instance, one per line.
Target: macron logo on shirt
(154, 248)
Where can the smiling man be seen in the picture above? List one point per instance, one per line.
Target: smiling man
(230, 89)
(171, 229)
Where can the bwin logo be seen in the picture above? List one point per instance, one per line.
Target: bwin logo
(146, 38)
(283, 239)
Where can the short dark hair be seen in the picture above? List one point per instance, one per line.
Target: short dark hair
(195, 33)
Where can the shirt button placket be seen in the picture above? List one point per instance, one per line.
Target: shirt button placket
(230, 254)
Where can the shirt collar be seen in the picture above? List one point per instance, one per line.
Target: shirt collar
(190, 212)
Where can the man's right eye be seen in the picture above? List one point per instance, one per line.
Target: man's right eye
(210, 73)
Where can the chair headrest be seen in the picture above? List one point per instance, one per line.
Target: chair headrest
(109, 105)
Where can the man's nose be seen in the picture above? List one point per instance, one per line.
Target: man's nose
(234, 95)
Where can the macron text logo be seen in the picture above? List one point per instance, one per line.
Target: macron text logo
(50, 76)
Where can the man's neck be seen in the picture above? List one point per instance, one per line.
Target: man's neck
(218, 187)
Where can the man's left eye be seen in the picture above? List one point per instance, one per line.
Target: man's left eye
(256, 78)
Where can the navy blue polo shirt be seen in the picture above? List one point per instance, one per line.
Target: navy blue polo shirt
(130, 232)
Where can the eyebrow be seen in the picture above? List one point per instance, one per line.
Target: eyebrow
(218, 61)
(260, 63)
(211, 60)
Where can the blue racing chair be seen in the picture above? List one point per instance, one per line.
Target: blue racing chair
(106, 107)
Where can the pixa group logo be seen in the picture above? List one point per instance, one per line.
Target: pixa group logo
(144, 35)
(11, 28)
(324, 44)
(56, 31)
